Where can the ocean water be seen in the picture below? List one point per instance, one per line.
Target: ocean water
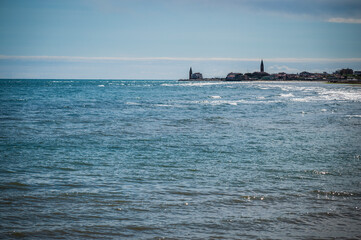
(84, 159)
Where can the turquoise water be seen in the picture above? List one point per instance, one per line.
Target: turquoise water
(82, 159)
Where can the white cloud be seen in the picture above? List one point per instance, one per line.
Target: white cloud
(345, 20)
(196, 59)
(283, 68)
(307, 9)
(78, 58)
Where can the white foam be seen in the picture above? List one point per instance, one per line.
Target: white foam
(56, 81)
(163, 105)
(216, 102)
(320, 172)
(216, 97)
(132, 103)
(287, 95)
(201, 84)
(233, 103)
(319, 92)
(305, 99)
(101, 86)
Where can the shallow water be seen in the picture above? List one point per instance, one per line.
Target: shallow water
(83, 159)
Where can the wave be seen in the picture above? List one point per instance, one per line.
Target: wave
(132, 103)
(287, 95)
(336, 193)
(14, 185)
(201, 84)
(234, 102)
(319, 93)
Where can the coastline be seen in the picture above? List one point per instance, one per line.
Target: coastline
(345, 75)
(334, 81)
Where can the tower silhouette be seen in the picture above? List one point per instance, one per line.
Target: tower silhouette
(190, 73)
(262, 66)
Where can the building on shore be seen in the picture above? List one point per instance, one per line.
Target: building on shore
(197, 75)
(305, 74)
(345, 75)
(345, 71)
(235, 77)
(256, 75)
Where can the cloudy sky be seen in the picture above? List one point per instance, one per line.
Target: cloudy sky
(161, 39)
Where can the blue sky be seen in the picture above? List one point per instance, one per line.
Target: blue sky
(161, 39)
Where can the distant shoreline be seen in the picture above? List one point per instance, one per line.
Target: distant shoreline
(337, 81)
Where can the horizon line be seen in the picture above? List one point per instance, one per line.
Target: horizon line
(95, 79)
(197, 59)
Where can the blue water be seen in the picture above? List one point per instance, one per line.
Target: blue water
(82, 159)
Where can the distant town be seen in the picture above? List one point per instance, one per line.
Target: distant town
(340, 76)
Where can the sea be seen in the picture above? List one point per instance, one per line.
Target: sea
(140, 159)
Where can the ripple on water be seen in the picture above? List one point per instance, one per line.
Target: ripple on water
(14, 185)
(174, 160)
(336, 193)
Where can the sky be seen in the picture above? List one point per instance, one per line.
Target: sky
(162, 39)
